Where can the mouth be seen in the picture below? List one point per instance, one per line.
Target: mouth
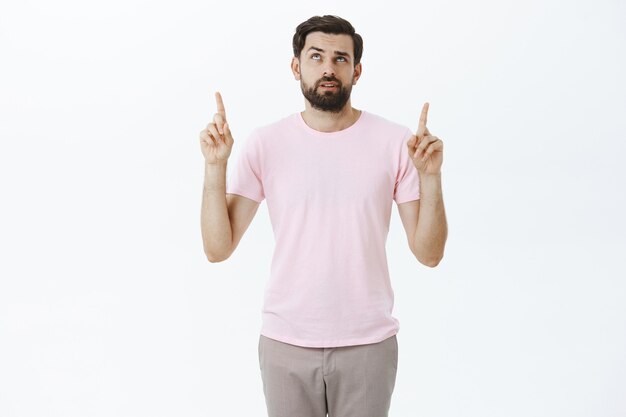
(329, 86)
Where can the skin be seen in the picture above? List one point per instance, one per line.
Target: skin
(225, 217)
(313, 65)
(424, 220)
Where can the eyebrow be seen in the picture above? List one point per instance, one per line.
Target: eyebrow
(336, 52)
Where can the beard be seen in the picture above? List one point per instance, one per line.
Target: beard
(331, 101)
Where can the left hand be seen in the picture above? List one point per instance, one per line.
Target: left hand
(425, 150)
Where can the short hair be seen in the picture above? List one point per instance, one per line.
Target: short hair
(327, 24)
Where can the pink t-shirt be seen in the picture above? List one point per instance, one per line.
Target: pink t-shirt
(329, 198)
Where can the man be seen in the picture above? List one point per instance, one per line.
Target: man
(328, 342)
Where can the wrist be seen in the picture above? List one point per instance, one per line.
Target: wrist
(215, 165)
(430, 183)
(426, 176)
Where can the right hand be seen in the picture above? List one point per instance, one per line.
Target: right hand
(216, 141)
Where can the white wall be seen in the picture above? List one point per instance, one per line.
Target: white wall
(108, 306)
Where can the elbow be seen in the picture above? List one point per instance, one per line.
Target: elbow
(216, 257)
(432, 262)
(429, 262)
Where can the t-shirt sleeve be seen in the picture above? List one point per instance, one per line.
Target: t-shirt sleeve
(407, 178)
(245, 178)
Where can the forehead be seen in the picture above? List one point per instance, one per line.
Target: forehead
(329, 42)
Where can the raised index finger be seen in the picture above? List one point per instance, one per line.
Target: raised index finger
(220, 104)
(423, 117)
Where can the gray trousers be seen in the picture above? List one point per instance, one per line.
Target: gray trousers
(346, 381)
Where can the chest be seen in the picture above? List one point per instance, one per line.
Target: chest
(353, 175)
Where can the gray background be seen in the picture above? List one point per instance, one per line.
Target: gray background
(108, 306)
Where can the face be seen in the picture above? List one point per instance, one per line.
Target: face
(326, 58)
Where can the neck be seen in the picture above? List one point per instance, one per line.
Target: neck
(325, 121)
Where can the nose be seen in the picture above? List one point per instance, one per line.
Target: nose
(329, 70)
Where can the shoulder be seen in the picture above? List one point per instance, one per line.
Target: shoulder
(271, 132)
(391, 128)
(276, 125)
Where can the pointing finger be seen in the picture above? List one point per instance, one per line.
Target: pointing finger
(220, 104)
(219, 121)
(423, 118)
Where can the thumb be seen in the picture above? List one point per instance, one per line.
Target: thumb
(228, 134)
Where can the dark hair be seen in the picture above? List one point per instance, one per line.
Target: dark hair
(327, 24)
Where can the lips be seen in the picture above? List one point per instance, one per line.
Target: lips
(329, 85)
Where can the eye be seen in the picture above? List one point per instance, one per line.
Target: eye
(314, 55)
(341, 57)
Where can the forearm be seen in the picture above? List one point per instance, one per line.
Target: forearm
(215, 222)
(432, 229)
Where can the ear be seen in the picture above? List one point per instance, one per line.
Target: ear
(295, 67)
(357, 73)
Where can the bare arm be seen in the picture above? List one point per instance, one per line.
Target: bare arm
(223, 217)
(214, 218)
(425, 222)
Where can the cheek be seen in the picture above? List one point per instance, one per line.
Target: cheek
(309, 77)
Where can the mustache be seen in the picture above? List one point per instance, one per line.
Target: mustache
(328, 79)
